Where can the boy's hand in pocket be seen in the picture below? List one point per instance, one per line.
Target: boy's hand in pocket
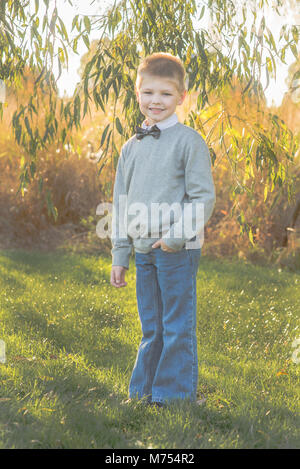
(160, 243)
(117, 276)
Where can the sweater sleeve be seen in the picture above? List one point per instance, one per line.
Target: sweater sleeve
(200, 194)
(121, 242)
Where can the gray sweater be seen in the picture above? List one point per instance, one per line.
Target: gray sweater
(159, 186)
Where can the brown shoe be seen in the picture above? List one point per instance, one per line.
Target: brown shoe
(157, 404)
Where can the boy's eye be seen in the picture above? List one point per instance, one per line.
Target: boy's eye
(149, 92)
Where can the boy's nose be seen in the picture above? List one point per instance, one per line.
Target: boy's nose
(155, 100)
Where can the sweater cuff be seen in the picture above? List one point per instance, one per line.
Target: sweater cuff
(121, 255)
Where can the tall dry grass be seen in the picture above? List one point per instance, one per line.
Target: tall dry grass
(68, 175)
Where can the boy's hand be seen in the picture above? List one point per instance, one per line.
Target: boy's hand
(117, 276)
(163, 246)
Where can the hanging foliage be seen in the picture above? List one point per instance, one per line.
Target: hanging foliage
(223, 45)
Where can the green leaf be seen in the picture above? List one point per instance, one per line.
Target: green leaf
(119, 126)
(282, 55)
(104, 135)
(202, 12)
(32, 168)
(87, 23)
(45, 22)
(98, 100)
(28, 126)
(294, 49)
(41, 183)
(213, 155)
(75, 22)
(295, 33)
(86, 40)
(77, 106)
(250, 234)
(75, 44)
(63, 29)
(53, 21)
(63, 135)
(52, 210)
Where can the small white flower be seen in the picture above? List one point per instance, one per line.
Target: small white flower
(2, 91)
(2, 351)
(296, 342)
(296, 353)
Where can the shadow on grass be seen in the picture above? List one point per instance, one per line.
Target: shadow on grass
(79, 330)
(100, 345)
(74, 410)
(66, 410)
(55, 263)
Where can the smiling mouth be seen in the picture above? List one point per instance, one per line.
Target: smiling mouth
(155, 109)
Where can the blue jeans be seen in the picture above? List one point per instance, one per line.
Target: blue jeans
(166, 365)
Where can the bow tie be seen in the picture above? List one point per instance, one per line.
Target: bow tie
(141, 133)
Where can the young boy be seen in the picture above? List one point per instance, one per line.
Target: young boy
(164, 168)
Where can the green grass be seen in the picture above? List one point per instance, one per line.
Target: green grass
(71, 341)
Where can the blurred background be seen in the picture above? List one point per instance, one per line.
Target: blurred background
(75, 181)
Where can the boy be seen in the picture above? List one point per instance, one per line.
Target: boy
(166, 164)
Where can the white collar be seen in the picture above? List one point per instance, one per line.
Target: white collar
(164, 124)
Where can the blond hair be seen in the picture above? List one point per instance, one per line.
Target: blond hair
(165, 65)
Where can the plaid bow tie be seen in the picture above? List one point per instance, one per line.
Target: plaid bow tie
(141, 133)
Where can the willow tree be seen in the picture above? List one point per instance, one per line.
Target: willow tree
(221, 43)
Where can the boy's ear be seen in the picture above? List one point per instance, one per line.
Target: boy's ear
(182, 98)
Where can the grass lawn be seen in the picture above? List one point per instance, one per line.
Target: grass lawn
(71, 341)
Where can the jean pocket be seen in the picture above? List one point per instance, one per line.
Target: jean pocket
(194, 256)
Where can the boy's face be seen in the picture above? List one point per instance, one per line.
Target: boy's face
(158, 98)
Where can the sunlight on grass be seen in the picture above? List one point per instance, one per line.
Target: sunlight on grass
(71, 342)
